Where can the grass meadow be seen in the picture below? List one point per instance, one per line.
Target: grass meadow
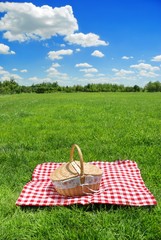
(37, 128)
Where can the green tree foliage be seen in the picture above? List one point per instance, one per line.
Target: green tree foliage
(12, 87)
(153, 87)
(45, 87)
(9, 87)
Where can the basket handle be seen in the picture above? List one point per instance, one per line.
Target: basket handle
(80, 169)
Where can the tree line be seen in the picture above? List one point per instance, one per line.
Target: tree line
(12, 87)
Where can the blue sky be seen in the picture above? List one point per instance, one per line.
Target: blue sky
(81, 41)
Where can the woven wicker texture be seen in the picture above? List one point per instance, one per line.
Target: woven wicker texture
(73, 169)
(67, 171)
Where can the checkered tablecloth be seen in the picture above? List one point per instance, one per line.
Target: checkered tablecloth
(121, 184)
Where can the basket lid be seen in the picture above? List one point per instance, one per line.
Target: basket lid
(72, 169)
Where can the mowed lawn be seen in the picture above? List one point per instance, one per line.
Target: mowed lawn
(107, 127)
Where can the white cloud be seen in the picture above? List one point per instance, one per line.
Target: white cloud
(97, 53)
(8, 76)
(54, 73)
(123, 73)
(4, 49)
(58, 54)
(156, 58)
(127, 58)
(115, 70)
(3, 71)
(146, 70)
(5, 75)
(85, 40)
(55, 65)
(145, 66)
(88, 70)
(36, 80)
(24, 21)
(83, 65)
(144, 73)
(23, 70)
(88, 75)
(77, 50)
(16, 77)
(101, 75)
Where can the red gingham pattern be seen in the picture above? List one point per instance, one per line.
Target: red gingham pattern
(121, 184)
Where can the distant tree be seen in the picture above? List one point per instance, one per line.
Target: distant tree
(9, 87)
(68, 89)
(153, 87)
(87, 88)
(26, 89)
(55, 85)
(129, 89)
(136, 88)
(79, 88)
(121, 88)
(45, 87)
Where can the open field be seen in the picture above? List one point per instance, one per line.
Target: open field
(107, 126)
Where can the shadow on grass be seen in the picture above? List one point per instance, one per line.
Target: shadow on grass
(86, 208)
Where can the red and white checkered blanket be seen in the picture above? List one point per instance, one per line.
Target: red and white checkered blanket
(121, 184)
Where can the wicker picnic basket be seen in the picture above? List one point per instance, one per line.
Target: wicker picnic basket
(76, 178)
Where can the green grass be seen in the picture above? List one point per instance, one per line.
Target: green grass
(107, 127)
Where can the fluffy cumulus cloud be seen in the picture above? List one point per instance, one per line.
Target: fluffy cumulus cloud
(88, 75)
(122, 72)
(23, 71)
(5, 75)
(4, 49)
(115, 70)
(97, 53)
(85, 40)
(89, 70)
(3, 71)
(86, 65)
(141, 70)
(14, 69)
(55, 65)
(127, 58)
(36, 80)
(24, 21)
(53, 73)
(156, 58)
(59, 54)
(145, 66)
(144, 73)
(146, 70)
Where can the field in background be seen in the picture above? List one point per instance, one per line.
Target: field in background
(107, 126)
